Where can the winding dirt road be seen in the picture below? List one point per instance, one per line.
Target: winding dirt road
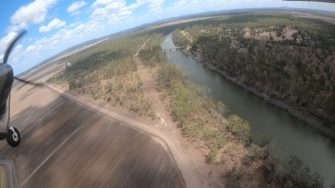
(66, 143)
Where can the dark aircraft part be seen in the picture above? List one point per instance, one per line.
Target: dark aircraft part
(6, 75)
(6, 80)
(29, 82)
(13, 137)
(11, 45)
(5, 59)
(326, 1)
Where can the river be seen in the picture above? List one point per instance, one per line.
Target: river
(290, 136)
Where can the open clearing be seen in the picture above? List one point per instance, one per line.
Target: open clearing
(64, 144)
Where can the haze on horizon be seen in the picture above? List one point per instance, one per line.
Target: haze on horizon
(55, 25)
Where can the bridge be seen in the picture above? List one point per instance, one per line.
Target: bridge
(172, 49)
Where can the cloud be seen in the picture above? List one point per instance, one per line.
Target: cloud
(180, 4)
(54, 24)
(116, 10)
(39, 50)
(31, 48)
(75, 6)
(31, 13)
(104, 14)
(155, 5)
(111, 10)
(107, 2)
(4, 41)
(106, 17)
(9, 37)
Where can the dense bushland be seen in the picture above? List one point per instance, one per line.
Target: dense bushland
(152, 52)
(288, 58)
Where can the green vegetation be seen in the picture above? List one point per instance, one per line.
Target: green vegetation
(240, 128)
(213, 124)
(179, 39)
(107, 72)
(274, 174)
(197, 116)
(299, 176)
(288, 58)
(152, 53)
(291, 174)
(257, 49)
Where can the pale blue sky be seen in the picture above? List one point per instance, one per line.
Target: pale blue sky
(55, 25)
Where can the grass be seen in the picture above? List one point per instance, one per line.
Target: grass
(152, 52)
(196, 115)
(107, 72)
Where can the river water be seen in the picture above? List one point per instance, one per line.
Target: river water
(290, 136)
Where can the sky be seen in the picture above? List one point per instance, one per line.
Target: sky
(55, 25)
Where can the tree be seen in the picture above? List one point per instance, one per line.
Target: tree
(298, 175)
(239, 127)
(322, 81)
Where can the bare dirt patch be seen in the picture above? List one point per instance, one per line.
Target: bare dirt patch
(210, 176)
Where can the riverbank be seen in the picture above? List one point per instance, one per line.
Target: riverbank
(311, 121)
(289, 136)
(306, 117)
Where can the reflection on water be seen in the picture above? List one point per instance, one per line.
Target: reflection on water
(290, 136)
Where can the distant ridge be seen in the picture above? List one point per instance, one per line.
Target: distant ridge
(167, 20)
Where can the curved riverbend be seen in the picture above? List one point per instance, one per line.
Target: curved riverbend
(290, 136)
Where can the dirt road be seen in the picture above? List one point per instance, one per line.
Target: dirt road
(65, 144)
(192, 166)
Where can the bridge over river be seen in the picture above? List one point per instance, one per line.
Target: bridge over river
(172, 49)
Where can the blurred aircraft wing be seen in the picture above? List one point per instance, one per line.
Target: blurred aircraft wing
(326, 1)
